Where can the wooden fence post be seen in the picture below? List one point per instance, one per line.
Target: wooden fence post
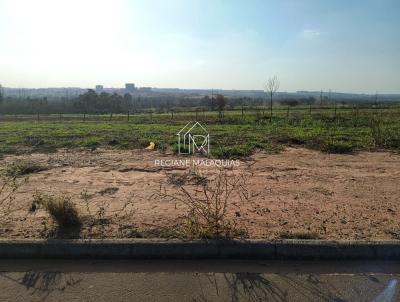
(356, 113)
(335, 110)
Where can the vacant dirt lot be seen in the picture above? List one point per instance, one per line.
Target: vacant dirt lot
(295, 193)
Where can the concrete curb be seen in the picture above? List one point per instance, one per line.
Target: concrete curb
(199, 249)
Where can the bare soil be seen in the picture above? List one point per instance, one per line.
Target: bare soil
(298, 193)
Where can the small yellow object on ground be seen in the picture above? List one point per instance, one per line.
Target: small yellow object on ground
(151, 146)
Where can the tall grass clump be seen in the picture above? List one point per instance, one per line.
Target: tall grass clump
(60, 208)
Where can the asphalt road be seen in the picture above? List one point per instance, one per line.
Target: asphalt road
(206, 280)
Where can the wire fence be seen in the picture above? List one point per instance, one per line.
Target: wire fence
(241, 114)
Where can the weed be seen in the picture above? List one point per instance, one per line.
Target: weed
(395, 234)
(34, 141)
(108, 191)
(192, 176)
(177, 179)
(195, 178)
(166, 232)
(209, 205)
(92, 143)
(9, 184)
(337, 147)
(16, 169)
(299, 235)
(102, 216)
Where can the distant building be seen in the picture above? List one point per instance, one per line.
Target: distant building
(99, 88)
(145, 89)
(130, 88)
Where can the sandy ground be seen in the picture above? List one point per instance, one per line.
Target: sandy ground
(297, 191)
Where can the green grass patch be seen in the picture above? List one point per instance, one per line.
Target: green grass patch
(233, 137)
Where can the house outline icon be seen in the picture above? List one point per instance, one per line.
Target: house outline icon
(188, 139)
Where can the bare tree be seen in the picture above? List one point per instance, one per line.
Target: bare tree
(272, 87)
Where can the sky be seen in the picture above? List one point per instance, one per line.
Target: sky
(347, 46)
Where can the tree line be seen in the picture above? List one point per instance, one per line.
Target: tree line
(106, 103)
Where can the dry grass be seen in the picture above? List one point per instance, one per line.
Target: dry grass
(61, 209)
(109, 191)
(192, 176)
(99, 216)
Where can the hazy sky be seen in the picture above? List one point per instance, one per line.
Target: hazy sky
(344, 45)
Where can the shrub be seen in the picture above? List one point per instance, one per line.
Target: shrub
(208, 204)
